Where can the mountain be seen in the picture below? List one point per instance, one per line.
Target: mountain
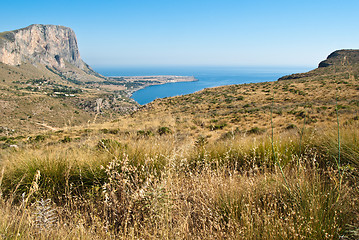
(46, 44)
(341, 58)
(339, 61)
(44, 83)
(49, 45)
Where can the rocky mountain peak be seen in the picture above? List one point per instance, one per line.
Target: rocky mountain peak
(50, 45)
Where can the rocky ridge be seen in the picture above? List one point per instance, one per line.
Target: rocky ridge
(338, 61)
(341, 58)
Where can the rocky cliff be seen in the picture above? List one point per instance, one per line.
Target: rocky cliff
(44, 82)
(44, 44)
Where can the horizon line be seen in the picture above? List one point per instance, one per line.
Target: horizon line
(199, 65)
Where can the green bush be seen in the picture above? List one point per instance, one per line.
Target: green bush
(66, 139)
(39, 138)
(144, 133)
(3, 138)
(164, 130)
(291, 126)
(256, 130)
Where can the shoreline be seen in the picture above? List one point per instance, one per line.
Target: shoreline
(136, 83)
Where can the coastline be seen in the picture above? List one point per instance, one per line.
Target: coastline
(131, 82)
(136, 83)
(208, 79)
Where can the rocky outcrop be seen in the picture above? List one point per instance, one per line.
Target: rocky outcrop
(49, 45)
(341, 58)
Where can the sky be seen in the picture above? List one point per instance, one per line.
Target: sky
(196, 32)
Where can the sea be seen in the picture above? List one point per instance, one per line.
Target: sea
(207, 77)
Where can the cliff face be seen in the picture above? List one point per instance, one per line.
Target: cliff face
(49, 45)
(44, 82)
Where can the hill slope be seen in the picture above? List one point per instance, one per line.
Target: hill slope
(44, 82)
(341, 58)
(340, 61)
(275, 160)
(42, 64)
(308, 98)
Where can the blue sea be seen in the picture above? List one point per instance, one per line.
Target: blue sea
(207, 77)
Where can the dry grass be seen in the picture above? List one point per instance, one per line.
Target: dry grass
(32, 96)
(200, 166)
(150, 187)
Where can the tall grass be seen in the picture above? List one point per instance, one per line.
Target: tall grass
(159, 187)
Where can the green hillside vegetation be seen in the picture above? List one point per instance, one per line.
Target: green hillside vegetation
(275, 160)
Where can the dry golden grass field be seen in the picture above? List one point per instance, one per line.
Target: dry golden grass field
(274, 160)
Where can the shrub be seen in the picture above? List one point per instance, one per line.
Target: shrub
(104, 130)
(10, 141)
(256, 130)
(246, 105)
(3, 138)
(144, 133)
(113, 131)
(66, 139)
(201, 141)
(39, 138)
(240, 98)
(291, 126)
(217, 127)
(164, 130)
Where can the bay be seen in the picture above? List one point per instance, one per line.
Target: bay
(207, 77)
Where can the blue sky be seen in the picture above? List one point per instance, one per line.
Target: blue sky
(197, 32)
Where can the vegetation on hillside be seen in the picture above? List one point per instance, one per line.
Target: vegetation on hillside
(32, 97)
(276, 160)
(103, 184)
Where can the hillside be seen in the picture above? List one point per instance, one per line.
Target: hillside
(308, 99)
(32, 97)
(340, 61)
(341, 58)
(274, 160)
(44, 83)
